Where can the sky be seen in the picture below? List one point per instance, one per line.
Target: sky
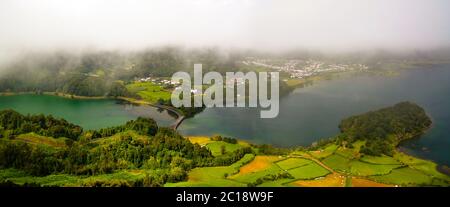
(335, 25)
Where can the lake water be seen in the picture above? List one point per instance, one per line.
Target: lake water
(90, 114)
(314, 112)
(306, 115)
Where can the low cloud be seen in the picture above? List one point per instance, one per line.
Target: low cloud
(343, 25)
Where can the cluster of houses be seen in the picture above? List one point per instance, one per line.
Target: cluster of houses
(176, 84)
(159, 81)
(302, 68)
(229, 83)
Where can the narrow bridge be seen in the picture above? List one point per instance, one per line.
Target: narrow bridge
(180, 116)
(177, 122)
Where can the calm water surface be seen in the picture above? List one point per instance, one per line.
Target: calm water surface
(90, 114)
(306, 115)
(314, 112)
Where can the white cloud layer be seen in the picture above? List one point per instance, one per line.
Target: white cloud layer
(258, 24)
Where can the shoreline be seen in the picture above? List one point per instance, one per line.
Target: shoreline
(62, 95)
(438, 167)
(300, 83)
(179, 119)
(402, 149)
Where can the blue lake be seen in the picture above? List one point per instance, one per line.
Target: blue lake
(314, 112)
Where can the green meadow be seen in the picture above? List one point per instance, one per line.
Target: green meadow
(216, 147)
(291, 163)
(149, 91)
(214, 176)
(337, 163)
(309, 171)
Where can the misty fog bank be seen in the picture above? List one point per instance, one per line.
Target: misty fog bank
(173, 58)
(97, 72)
(263, 25)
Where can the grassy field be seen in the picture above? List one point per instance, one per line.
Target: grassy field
(327, 151)
(214, 176)
(381, 160)
(337, 162)
(201, 140)
(293, 163)
(404, 176)
(365, 169)
(310, 171)
(331, 180)
(216, 147)
(425, 166)
(258, 168)
(149, 91)
(254, 176)
(208, 177)
(347, 153)
(258, 164)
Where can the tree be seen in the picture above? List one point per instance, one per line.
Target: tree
(384, 128)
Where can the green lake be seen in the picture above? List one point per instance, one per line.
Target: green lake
(88, 113)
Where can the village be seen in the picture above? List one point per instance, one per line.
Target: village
(295, 68)
(174, 84)
(302, 68)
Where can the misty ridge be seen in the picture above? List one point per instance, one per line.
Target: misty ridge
(105, 72)
(46, 46)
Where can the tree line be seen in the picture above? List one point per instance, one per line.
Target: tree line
(383, 129)
(138, 144)
(13, 123)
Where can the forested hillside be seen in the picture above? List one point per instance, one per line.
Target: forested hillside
(383, 129)
(13, 123)
(139, 144)
(140, 153)
(102, 73)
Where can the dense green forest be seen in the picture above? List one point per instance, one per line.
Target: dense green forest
(138, 144)
(13, 123)
(385, 128)
(101, 73)
(43, 146)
